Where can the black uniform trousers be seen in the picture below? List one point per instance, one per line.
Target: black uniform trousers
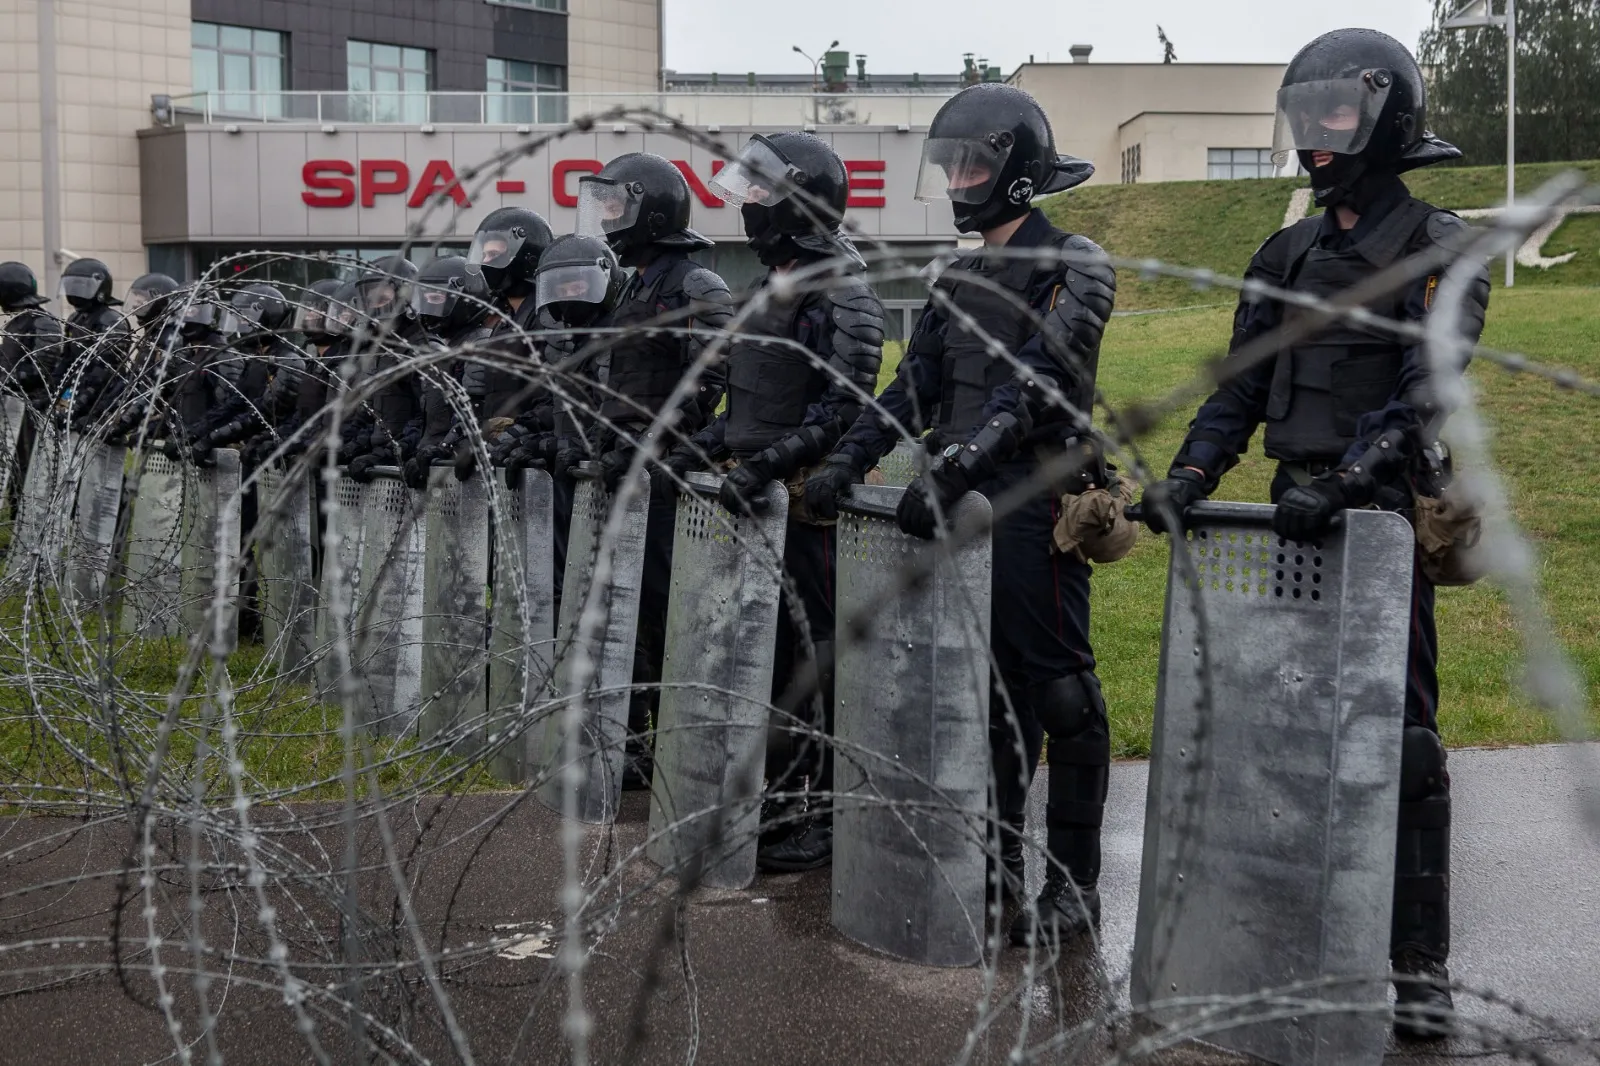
(809, 563)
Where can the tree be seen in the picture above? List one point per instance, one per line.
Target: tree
(1558, 82)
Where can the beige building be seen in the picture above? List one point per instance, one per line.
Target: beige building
(88, 71)
(1159, 122)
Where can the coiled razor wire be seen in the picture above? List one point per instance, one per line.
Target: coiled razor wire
(239, 842)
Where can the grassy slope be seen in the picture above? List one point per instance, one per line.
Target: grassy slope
(1219, 224)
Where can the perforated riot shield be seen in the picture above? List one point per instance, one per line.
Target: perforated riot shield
(521, 656)
(603, 721)
(13, 412)
(905, 462)
(455, 621)
(44, 505)
(911, 749)
(340, 590)
(716, 685)
(151, 576)
(387, 634)
(211, 548)
(1270, 824)
(91, 550)
(284, 560)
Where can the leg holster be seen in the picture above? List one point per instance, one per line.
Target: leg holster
(1073, 714)
(1422, 848)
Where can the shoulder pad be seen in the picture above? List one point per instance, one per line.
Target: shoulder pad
(1088, 275)
(706, 286)
(853, 292)
(1449, 231)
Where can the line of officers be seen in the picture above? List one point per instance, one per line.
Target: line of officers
(613, 317)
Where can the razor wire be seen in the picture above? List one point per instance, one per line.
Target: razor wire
(246, 884)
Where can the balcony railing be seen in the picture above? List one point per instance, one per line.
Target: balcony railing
(530, 109)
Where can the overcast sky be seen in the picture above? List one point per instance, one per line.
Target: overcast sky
(927, 36)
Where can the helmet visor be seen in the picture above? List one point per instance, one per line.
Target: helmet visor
(605, 206)
(1337, 116)
(80, 287)
(578, 283)
(434, 302)
(384, 297)
(137, 300)
(758, 176)
(963, 169)
(201, 313)
(311, 318)
(494, 248)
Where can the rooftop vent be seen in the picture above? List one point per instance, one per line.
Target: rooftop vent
(1080, 52)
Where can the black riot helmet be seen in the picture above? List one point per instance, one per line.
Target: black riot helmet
(256, 308)
(384, 289)
(990, 151)
(19, 288)
(200, 311)
(449, 295)
(86, 283)
(791, 190)
(312, 316)
(148, 296)
(1358, 95)
(579, 280)
(637, 202)
(506, 249)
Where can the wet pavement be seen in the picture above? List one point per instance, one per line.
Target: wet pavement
(756, 976)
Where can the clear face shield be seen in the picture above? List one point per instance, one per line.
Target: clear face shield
(585, 283)
(495, 249)
(1338, 116)
(962, 169)
(78, 287)
(201, 315)
(383, 298)
(138, 300)
(758, 176)
(434, 304)
(606, 206)
(311, 319)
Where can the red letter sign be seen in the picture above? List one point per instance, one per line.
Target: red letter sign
(371, 188)
(864, 166)
(558, 179)
(697, 186)
(437, 176)
(341, 191)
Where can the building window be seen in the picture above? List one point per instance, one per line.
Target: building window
(1132, 164)
(233, 63)
(517, 91)
(1231, 163)
(395, 80)
(537, 5)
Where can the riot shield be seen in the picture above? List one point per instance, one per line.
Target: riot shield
(211, 548)
(521, 656)
(603, 724)
(905, 462)
(12, 413)
(386, 635)
(716, 685)
(340, 591)
(284, 562)
(911, 747)
(151, 576)
(40, 526)
(455, 621)
(91, 550)
(1270, 823)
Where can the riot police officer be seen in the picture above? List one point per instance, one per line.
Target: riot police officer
(383, 294)
(197, 382)
(149, 307)
(450, 301)
(31, 346)
(788, 404)
(639, 203)
(265, 398)
(98, 338)
(990, 150)
(507, 249)
(1351, 416)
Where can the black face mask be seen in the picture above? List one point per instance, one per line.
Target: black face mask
(772, 248)
(575, 314)
(1348, 181)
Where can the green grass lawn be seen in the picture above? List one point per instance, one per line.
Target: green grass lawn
(1543, 445)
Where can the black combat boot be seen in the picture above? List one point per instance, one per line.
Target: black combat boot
(1423, 1006)
(809, 847)
(1419, 942)
(1061, 915)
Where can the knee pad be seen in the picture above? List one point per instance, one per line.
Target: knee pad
(1422, 765)
(1072, 709)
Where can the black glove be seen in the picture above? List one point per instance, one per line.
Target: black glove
(614, 464)
(1182, 489)
(944, 484)
(826, 484)
(1306, 512)
(519, 460)
(742, 488)
(510, 439)
(358, 443)
(466, 461)
(672, 469)
(362, 467)
(172, 448)
(200, 450)
(569, 453)
(416, 471)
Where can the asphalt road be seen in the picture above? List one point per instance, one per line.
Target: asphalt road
(756, 976)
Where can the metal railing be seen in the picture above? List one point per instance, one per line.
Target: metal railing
(529, 108)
